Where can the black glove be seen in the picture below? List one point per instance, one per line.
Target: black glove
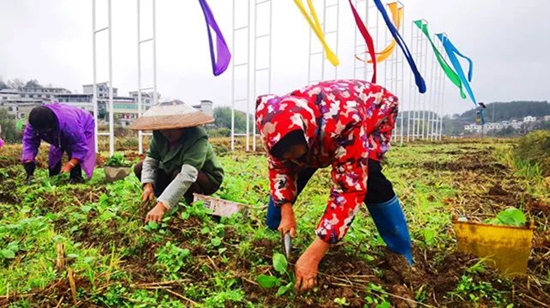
(29, 168)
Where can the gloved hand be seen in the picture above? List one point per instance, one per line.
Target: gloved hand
(29, 166)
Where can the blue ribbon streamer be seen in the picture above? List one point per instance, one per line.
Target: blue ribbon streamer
(452, 51)
(420, 83)
(222, 51)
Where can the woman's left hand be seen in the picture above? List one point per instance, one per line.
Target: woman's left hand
(308, 264)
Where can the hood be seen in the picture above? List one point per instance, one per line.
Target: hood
(278, 116)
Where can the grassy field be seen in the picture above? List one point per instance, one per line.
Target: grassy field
(86, 245)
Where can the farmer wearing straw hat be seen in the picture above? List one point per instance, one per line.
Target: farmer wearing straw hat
(66, 129)
(346, 124)
(180, 160)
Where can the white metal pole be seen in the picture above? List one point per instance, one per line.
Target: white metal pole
(233, 86)
(140, 133)
(111, 107)
(155, 94)
(323, 61)
(94, 86)
(402, 82)
(254, 76)
(248, 80)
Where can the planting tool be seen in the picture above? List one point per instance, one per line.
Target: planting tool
(219, 207)
(286, 244)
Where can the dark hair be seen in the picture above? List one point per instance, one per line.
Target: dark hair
(42, 118)
(291, 139)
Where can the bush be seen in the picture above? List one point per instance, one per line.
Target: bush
(9, 132)
(534, 148)
(219, 132)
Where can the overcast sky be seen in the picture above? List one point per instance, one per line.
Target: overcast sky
(51, 40)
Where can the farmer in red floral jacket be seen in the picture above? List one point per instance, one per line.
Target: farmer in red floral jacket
(345, 124)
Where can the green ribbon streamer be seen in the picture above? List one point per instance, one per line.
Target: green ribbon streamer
(451, 74)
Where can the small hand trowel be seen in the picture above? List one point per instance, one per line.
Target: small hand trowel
(286, 244)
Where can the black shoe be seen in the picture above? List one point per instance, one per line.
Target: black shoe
(76, 180)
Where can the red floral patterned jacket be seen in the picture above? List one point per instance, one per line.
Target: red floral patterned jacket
(345, 122)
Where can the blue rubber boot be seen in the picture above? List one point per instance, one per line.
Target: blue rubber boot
(392, 226)
(273, 215)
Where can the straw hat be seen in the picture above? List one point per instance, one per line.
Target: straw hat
(170, 114)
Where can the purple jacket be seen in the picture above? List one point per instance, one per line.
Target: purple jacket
(75, 133)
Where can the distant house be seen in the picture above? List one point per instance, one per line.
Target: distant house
(547, 118)
(205, 106)
(529, 119)
(473, 128)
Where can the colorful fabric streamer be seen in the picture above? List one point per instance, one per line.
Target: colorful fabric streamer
(313, 21)
(420, 83)
(367, 37)
(452, 75)
(452, 51)
(397, 17)
(220, 62)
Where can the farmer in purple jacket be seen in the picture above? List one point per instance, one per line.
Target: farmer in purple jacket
(66, 129)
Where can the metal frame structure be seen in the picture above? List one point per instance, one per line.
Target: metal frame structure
(235, 65)
(94, 87)
(256, 70)
(312, 38)
(419, 46)
(251, 65)
(360, 47)
(394, 77)
(439, 97)
(153, 40)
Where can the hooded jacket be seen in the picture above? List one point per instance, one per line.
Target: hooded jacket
(75, 132)
(192, 153)
(344, 122)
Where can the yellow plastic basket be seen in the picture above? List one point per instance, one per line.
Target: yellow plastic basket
(505, 247)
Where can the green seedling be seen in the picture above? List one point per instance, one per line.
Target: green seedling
(280, 265)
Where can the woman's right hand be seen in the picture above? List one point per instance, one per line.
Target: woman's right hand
(288, 222)
(148, 192)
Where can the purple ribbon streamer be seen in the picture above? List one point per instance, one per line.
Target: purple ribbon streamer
(222, 51)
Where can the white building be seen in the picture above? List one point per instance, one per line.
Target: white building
(473, 128)
(493, 126)
(206, 107)
(529, 119)
(146, 99)
(44, 94)
(547, 118)
(102, 90)
(20, 107)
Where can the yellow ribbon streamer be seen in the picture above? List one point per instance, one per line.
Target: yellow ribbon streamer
(316, 26)
(397, 17)
(397, 14)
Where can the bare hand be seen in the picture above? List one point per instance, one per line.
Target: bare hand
(148, 192)
(307, 266)
(156, 213)
(288, 222)
(66, 168)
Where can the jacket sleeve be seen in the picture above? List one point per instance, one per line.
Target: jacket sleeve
(149, 171)
(349, 176)
(193, 162)
(31, 143)
(282, 180)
